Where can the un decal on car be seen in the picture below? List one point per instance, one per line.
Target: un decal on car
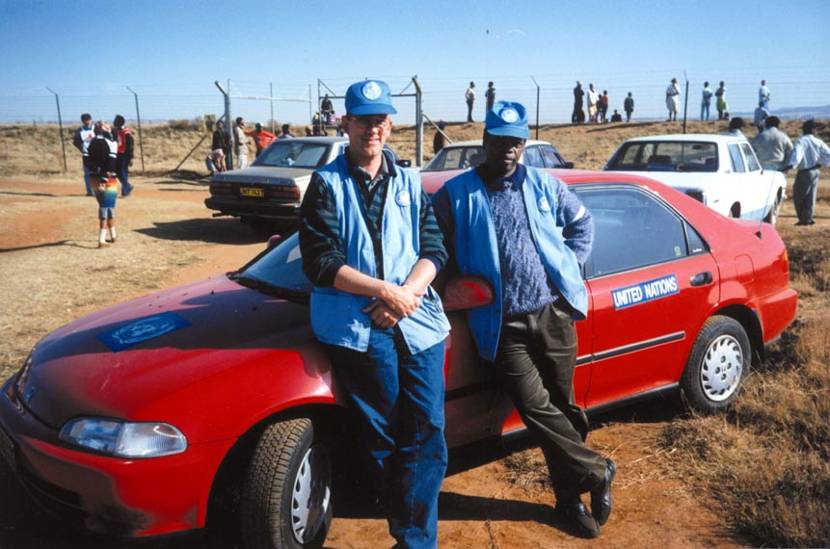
(141, 330)
(644, 292)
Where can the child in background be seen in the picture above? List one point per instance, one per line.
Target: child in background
(101, 163)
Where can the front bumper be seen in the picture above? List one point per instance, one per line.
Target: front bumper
(251, 207)
(111, 496)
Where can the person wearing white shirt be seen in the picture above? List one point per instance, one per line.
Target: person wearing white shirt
(673, 99)
(593, 99)
(470, 96)
(772, 146)
(763, 94)
(706, 101)
(808, 155)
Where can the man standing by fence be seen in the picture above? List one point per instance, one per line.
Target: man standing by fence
(578, 116)
(809, 154)
(83, 136)
(470, 97)
(124, 137)
(673, 99)
(240, 144)
(705, 101)
(628, 106)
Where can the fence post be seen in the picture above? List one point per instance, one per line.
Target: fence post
(271, 98)
(686, 103)
(60, 127)
(310, 108)
(537, 105)
(138, 118)
(228, 122)
(419, 124)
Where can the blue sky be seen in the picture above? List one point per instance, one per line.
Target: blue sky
(171, 52)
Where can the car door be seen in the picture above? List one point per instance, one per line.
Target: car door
(739, 186)
(757, 185)
(533, 157)
(652, 282)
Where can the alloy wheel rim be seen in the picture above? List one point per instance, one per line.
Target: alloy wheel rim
(720, 372)
(311, 494)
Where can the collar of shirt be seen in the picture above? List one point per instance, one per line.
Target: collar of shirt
(365, 178)
(503, 183)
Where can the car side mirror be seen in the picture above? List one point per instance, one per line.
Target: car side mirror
(467, 292)
(404, 163)
(568, 165)
(273, 240)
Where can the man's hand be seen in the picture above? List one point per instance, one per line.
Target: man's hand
(401, 300)
(382, 316)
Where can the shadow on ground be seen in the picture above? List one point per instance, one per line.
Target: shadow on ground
(215, 231)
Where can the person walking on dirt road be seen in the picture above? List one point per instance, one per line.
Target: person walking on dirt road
(371, 247)
(527, 235)
(101, 161)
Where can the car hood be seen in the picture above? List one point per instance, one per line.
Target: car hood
(433, 181)
(123, 361)
(263, 174)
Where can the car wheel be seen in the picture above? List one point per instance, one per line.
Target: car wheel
(735, 211)
(719, 361)
(772, 215)
(286, 499)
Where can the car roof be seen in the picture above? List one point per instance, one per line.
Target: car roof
(477, 143)
(686, 137)
(317, 139)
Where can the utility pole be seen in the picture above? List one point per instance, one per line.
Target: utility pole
(419, 124)
(138, 118)
(686, 102)
(60, 127)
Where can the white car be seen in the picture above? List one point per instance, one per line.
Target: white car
(720, 171)
(469, 154)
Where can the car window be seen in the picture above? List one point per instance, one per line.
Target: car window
(456, 158)
(751, 162)
(631, 229)
(281, 267)
(550, 157)
(293, 153)
(532, 157)
(737, 159)
(666, 156)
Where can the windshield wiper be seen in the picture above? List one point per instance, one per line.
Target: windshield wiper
(268, 288)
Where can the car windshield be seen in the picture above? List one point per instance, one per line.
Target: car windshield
(455, 158)
(666, 156)
(293, 153)
(279, 270)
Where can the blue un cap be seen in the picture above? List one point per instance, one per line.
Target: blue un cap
(369, 97)
(507, 118)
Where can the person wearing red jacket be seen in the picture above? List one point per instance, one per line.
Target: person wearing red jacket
(124, 159)
(262, 138)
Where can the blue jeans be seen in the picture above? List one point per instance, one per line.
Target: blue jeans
(704, 111)
(86, 179)
(122, 170)
(398, 399)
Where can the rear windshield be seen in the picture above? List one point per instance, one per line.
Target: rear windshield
(455, 158)
(666, 156)
(293, 153)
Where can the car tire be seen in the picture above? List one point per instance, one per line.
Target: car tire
(772, 215)
(717, 365)
(286, 499)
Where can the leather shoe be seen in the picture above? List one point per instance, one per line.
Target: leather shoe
(601, 494)
(574, 517)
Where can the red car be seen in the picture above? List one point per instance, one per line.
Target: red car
(136, 419)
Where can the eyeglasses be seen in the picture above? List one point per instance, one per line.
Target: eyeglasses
(370, 121)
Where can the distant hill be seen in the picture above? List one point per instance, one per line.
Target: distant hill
(795, 112)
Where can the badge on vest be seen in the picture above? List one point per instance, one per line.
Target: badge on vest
(403, 199)
(544, 205)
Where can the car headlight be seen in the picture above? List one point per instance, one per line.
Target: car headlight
(124, 439)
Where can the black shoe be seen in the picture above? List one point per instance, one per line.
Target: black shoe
(601, 494)
(801, 224)
(811, 222)
(574, 517)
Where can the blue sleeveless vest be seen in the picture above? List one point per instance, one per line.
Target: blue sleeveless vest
(477, 253)
(337, 317)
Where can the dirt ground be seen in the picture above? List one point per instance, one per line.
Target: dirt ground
(53, 272)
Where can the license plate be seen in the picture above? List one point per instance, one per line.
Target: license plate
(7, 449)
(253, 192)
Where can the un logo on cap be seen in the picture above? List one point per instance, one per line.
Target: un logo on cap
(509, 115)
(371, 90)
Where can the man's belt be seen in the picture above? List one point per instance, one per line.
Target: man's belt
(817, 166)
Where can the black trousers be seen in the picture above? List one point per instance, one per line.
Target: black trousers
(469, 111)
(536, 360)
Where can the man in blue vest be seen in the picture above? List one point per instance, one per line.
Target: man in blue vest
(527, 235)
(371, 246)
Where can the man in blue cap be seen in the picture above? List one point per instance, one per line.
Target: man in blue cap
(527, 234)
(371, 246)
